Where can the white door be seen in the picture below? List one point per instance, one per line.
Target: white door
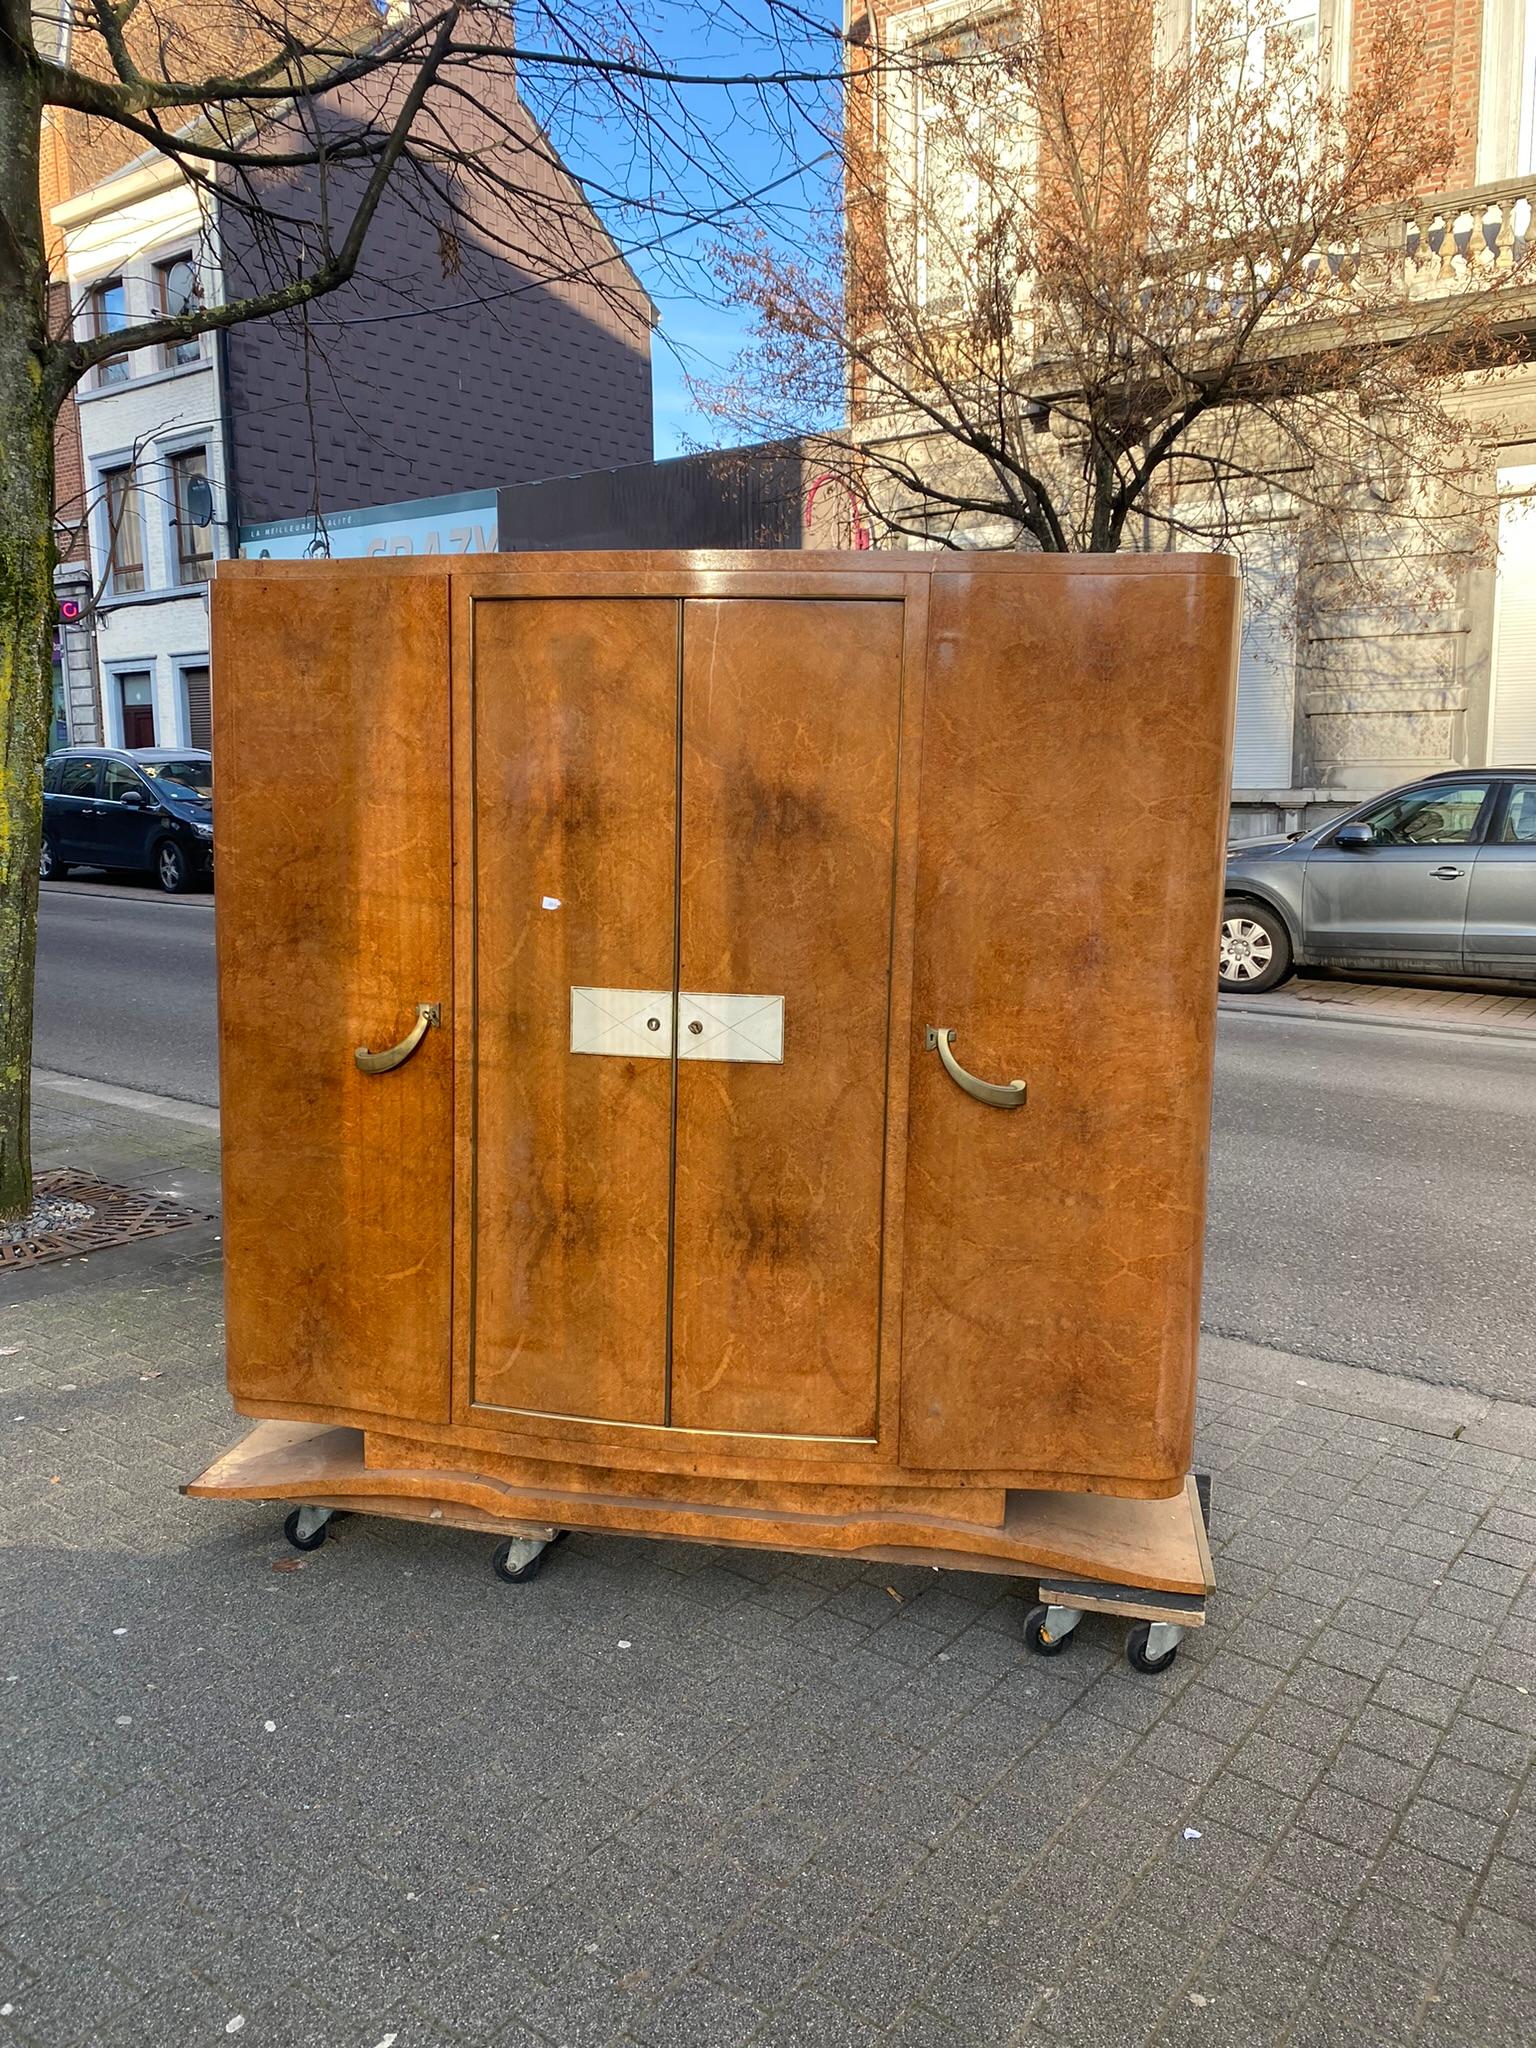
(1264, 738)
(1512, 712)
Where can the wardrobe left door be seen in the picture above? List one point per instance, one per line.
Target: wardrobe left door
(574, 775)
(333, 790)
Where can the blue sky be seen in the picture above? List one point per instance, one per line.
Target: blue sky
(740, 139)
(702, 337)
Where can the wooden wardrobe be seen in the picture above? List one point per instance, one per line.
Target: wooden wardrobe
(626, 966)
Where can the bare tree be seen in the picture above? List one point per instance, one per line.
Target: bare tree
(1097, 288)
(254, 100)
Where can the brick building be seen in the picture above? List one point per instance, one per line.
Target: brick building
(1334, 706)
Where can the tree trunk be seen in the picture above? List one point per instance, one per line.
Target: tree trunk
(26, 584)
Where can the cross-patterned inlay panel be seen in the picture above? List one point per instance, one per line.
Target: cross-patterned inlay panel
(624, 1023)
(711, 1027)
(636, 1023)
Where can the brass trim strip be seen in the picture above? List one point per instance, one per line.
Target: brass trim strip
(765, 1436)
(677, 978)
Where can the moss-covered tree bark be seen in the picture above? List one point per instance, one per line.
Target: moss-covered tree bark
(37, 370)
(26, 581)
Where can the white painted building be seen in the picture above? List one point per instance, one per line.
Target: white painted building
(151, 429)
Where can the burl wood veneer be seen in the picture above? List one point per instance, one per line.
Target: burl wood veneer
(673, 1219)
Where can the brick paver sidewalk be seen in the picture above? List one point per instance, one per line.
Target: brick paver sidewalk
(693, 1799)
(1481, 1011)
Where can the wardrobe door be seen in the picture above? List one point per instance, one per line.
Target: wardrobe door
(575, 797)
(1075, 773)
(790, 720)
(334, 910)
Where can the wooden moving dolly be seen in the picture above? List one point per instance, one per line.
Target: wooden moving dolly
(794, 975)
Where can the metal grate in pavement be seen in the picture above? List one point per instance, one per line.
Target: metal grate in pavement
(112, 1216)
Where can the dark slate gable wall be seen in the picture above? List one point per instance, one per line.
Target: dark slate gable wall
(734, 498)
(542, 380)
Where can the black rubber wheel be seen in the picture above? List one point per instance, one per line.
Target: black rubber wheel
(49, 867)
(310, 1542)
(519, 1575)
(534, 1566)
(173, 871)
(1136, 1650)
(1255, 948)
(1037, 1639)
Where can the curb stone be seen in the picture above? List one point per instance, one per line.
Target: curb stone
(1341, 1013)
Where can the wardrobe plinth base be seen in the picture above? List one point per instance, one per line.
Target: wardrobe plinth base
(1150, 1545)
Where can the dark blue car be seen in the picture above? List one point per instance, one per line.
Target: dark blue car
(148, 809)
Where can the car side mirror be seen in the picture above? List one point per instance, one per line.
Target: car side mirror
(1353, 838)
(135, 799)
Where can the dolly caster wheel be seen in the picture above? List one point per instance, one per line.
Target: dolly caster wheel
(1049, 1630)
(522, 1558)
(1153, 1645)
(307, 1528)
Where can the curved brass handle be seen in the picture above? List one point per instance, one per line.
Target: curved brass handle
(427, 1014)
(999, 1094)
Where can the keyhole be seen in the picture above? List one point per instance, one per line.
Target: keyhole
(653, 1023)
(695, 1027)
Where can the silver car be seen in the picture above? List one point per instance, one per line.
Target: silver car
(1437, 878)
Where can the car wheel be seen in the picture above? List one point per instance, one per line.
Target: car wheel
(49, 867)
(1255, 948)
(173, 871)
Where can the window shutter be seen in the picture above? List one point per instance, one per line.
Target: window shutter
(199, 707)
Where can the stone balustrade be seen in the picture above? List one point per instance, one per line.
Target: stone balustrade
(1455, 237)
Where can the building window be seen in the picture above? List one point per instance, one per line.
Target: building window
(1524, 29)
(191, 516)
(109, 315)
(1292, 27)
(179, 292)
(971, 136)
(949, 201)
(136, 706)
(125, 530)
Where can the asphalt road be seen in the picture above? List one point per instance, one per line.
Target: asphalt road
(1373, 1199)
(1373, 1191)
(125, 989)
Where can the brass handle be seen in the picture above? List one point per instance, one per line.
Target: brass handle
(427, 1014)
(999, 1094)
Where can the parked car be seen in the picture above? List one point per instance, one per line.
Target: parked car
(144, 808)
(1435, 878)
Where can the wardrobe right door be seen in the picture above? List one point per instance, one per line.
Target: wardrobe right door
(790, 724)
(1076, 740)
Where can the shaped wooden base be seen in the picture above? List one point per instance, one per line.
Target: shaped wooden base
(1125, 1546)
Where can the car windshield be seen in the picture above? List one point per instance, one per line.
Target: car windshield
(195, 777)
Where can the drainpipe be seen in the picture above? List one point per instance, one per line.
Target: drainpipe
(76, 629)
(227, 445)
